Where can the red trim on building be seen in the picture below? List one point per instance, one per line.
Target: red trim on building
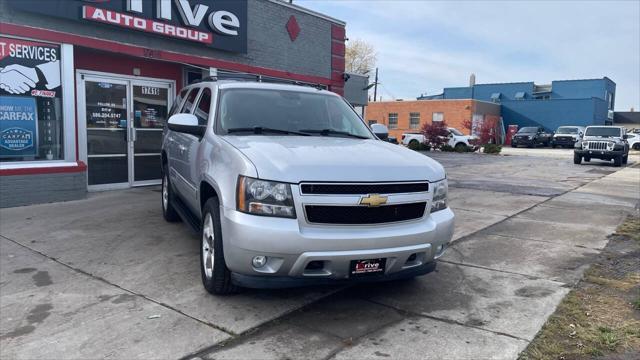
(338, 32)
(337, 48)
(81, 167)
(152, 54)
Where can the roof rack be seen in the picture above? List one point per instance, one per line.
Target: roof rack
(257, 78)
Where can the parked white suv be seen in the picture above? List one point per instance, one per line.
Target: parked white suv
(456, 138)
(287, 186)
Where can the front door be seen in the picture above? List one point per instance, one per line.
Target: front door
(123, 121)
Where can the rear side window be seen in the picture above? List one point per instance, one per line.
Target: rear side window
(204, 105)
(191, 98)
(177, 102)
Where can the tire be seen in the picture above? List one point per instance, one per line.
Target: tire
(514, 146)
(587, 159)
(216, 277)
(553, 146)
(625, 159)
(414, 143)
(636, 146)
(461, 147)
(169, 213)
(617, 161)
(577, 159)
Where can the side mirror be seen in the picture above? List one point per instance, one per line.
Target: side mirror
(381, 131)
(186, 123)
(625, 136)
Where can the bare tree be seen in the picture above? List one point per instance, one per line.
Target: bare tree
(360, 57)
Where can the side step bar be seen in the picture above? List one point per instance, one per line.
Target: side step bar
(186, 215)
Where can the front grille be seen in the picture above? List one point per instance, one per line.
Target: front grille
(597, 145)
(359, 215)
(564, 138)
(361, 189)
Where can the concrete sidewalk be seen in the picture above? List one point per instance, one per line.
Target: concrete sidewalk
(106, 277)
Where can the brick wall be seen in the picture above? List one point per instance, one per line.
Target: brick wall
(18, 190)
(268, 42)
(455, 113)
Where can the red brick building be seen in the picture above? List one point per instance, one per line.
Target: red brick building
(409, 116)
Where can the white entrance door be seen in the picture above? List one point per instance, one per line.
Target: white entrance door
(121, 120)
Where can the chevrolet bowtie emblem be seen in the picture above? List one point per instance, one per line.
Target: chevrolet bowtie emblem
(372, 200)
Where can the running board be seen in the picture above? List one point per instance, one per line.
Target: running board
(186, 215)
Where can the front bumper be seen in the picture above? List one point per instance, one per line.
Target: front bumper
(599, 154)
(409, 248)
(517, 142)
(563, 141)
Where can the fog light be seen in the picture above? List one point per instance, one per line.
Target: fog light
(259, 261)
(440, 250)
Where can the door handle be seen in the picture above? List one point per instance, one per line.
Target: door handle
(134, 134)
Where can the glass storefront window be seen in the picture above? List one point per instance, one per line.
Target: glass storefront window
(31, 121)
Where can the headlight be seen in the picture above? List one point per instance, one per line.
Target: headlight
(585, 145)
(440, 190)
(261, 197)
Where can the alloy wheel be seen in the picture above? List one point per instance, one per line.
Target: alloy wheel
(207, 246)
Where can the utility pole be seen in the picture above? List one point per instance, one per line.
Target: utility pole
(375, 87)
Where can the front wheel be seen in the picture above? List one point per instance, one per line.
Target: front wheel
(577, 159)
(216, 277)
(617, 161)
(553, 146)
(625, 159)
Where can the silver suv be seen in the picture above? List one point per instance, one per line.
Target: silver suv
(287, 186)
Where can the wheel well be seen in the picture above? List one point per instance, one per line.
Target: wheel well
(206, 192)
(461, 143)
(164, 159)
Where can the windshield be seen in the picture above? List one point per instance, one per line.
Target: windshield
(528, 130)
(456, 132)
(567, 130)
(602, 131)
(282, 112)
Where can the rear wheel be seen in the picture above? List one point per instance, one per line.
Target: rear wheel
(168, 211)
(216, 277)
(461, 147)
(577, 159)
(414, 143)
(636, 146)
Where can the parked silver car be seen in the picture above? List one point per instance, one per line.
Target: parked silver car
(288, 186)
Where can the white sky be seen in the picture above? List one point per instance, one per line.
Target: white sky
(424, 46)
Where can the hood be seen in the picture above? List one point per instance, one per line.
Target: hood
(296, 159)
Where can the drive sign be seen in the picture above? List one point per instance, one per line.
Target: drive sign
(218, 24)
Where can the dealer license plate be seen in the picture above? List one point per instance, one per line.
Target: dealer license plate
(367, 267)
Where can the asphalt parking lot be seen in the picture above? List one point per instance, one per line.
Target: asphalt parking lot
(106, 277)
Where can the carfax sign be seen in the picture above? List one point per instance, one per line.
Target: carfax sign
(18, 127)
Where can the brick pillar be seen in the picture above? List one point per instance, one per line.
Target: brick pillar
(338, 35)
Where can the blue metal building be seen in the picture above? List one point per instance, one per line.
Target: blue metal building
(563, 102)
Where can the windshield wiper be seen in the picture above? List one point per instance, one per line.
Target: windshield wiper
(328, 132)
(259, 130)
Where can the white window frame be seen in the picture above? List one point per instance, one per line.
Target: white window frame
(395, 116)
(414, 116)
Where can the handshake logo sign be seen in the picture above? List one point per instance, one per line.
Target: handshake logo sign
(29, 68)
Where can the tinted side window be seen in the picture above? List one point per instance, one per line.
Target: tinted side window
(191, 98)
(202, 111)
(177, 102)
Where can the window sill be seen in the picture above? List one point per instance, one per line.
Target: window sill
(45, 167)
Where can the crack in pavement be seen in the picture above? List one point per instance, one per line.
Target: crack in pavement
(95, 277)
